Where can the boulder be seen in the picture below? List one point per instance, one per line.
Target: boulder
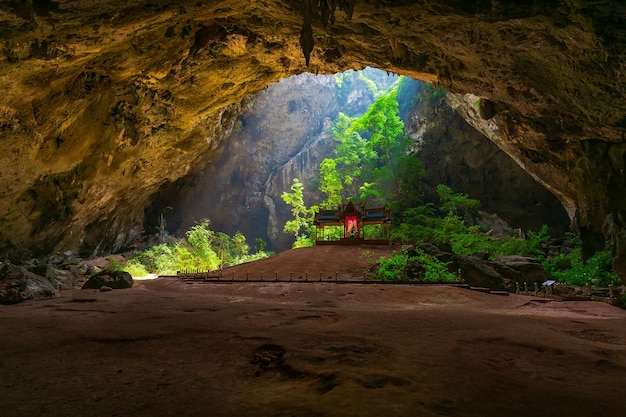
(481, 273)
(18, 284)
(499, 274)
(112, 279)
(60, 279)
(521, 269)
(442, 252)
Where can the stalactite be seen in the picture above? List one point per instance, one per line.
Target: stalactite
(306, 35)
(326, 10)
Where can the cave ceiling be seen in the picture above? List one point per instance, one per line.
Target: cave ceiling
(106, 102)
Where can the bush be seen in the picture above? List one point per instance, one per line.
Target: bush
(253, 257)
(135, 269)
(392, 268)
(418, 267)
(303, 242)
(113, 265)
(157, 259)
(570, 269)
(201, 250)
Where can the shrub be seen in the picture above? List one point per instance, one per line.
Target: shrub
(303, 241)
(253, 257)
(113, 265)
(418, 267)
(157, 259)
(135, 269)
(392, 268)
(570, 269)
(201, 250)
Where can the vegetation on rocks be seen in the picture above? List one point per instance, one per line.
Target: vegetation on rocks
(418, 266)
(201, 249)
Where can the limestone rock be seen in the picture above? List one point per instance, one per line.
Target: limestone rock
(521, 269)
(111, 279)
(481, 273)
(17, 284)
(499, 274)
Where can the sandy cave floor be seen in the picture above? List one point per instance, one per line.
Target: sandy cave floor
(170, 348)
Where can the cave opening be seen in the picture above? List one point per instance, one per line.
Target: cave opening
(286, 131)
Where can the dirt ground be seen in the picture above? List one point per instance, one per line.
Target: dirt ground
(171, 348)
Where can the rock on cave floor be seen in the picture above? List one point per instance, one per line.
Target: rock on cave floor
(166, 348)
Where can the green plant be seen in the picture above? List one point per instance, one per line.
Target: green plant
(392, 268)
(262, 244)
(202, 249)
(113, 265)
(434, 269)
(456, 203)
(240, 246)
(303, 241)
(135, 269)
(368, 256)
(419, 266)
(298, 209)
(570, 269)
(157, 259)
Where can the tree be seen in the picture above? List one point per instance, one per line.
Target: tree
(241, 247)
(261, 244)
(223, 247)
(200, 238)
(458, 204)
(298, 209)
(386, 137)
(355, 158)
(330, 183)
(367, 190)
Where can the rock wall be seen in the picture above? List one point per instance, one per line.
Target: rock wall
(106, 102)
(456, 154)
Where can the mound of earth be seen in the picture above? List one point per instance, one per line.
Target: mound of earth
(349, 263)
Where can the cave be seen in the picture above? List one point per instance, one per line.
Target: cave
(111, 109)
(129, 99)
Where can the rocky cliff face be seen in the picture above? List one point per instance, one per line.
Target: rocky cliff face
(106, 102)
(456, 154)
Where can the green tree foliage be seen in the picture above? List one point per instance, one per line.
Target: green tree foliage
(368, 190)
(355, 158)
(202, 249)
(224, 248)
(382, 123)
(330, 184)
(240, 246)
(302, 216)
(456, 203)
(199, 239)
(570, 269)
(299, 211)
(417, 266)
(374, 159)
(262, 244)
(344, 81)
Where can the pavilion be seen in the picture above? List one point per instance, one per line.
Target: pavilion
(351, 223)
